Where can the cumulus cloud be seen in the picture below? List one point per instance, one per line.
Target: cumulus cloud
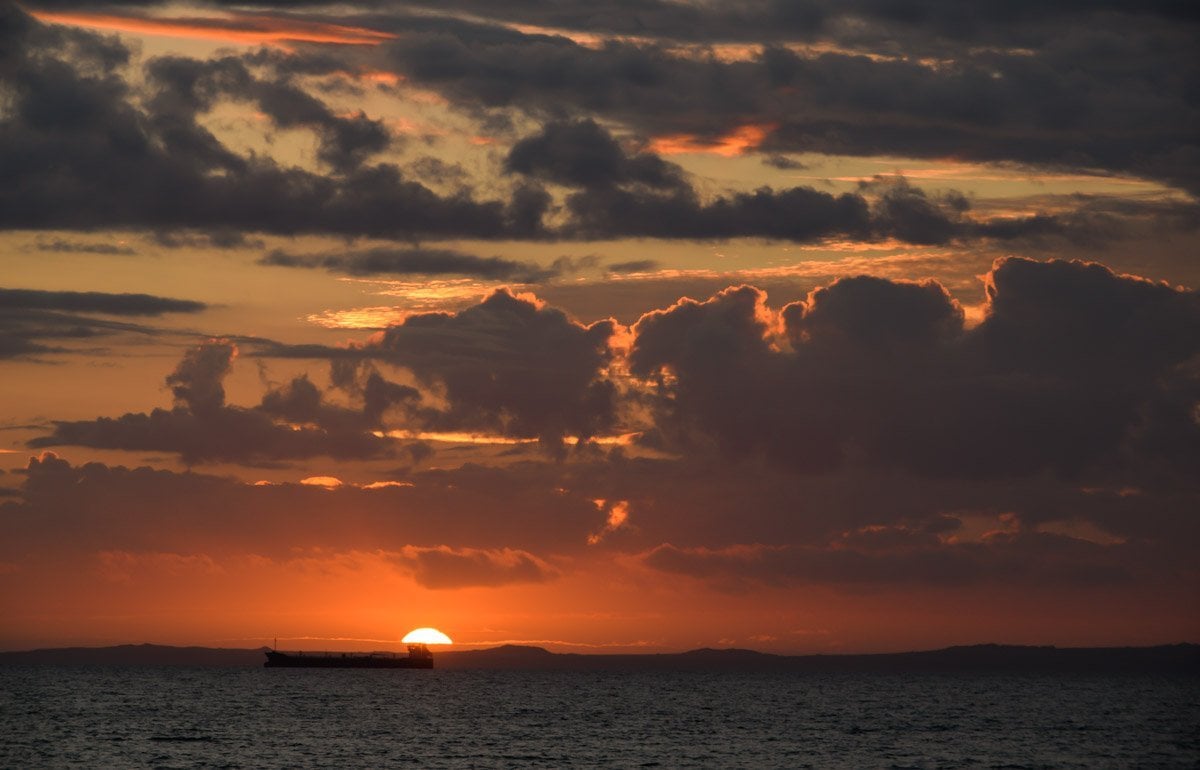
(865, 371)
(510, 365)
(886, 372)
(300, 401)
(201, 427)
(197, 381)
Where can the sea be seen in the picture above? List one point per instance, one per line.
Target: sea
(171, 717)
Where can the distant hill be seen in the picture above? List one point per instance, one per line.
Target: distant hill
(1176, 659)
(138, 655)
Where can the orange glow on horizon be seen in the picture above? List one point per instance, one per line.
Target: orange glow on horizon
(240, 29)
(736, 142)
(330, 599)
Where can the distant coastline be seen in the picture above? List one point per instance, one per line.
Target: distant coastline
(1183, 659)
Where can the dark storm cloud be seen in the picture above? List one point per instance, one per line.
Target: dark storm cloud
(392, 261)
(34, 322)
(201, 427)
(1059, 376)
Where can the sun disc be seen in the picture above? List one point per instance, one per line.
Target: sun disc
(426, 636)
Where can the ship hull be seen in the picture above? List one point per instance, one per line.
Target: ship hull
(344, 660)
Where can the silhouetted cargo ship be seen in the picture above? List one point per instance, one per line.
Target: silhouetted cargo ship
(419, 656)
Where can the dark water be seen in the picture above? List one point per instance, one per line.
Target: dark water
(100, 717)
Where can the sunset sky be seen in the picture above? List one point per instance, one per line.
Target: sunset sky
(602, 325)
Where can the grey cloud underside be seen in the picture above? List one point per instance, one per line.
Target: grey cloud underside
(638, 193)
(1113, 96)
(899, 22)
(390, 261)
(75, 130)
(34, 322)
(77, 127)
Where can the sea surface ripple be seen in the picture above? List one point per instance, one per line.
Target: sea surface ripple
(162, 717)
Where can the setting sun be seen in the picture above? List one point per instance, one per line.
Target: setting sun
(426, 636)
